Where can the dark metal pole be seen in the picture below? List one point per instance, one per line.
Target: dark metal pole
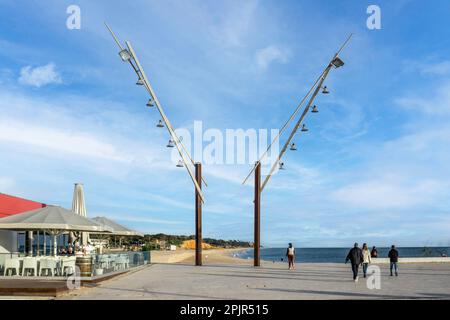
(257, 242)
(198, 216)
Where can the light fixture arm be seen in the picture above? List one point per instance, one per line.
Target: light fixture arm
(164, 118)
(295, 111)
(141, 74)
(305, 111)
(285, 125)
(297, 125)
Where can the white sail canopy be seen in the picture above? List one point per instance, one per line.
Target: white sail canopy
(118, 229)
(52, 219)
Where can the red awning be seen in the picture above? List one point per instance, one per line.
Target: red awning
(10, 205)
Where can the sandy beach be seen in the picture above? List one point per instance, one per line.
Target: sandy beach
(210, 256)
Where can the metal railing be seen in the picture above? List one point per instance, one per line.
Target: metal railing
(95, 265)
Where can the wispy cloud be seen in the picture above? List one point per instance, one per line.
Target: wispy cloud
(439, 68)
(59, 140)
(429, 66)
(268, 55)
(387, 194)
(436, 103)
(39, 76)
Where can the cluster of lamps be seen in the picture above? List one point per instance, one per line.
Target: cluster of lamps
(126, 56)
(314, 109)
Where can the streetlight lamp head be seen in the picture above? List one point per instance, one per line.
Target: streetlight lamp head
(150, 103)
(180, 164)
(337, 62)
(160, 124)
(170, 144)
(304, 128)
(325, 90)
(314, 109)
(281, 166)
(293, 147)
(140, 82)
(125, 55)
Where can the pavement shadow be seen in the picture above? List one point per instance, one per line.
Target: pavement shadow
(343, 294)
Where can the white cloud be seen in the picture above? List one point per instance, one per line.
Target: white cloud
(270, 54)
(428, 67)
(55, 131)
(56, 139)
(387, 193)
(403, 173)
(39, 76)
(436, 103)
(440, 68)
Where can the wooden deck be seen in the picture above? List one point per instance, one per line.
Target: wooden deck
(31, 287)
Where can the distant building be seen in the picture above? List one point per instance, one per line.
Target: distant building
(11, 205)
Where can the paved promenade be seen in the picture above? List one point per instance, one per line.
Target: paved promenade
(271, 281)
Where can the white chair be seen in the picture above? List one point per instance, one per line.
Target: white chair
(120, 263)
(29, 263)
(112, 261)
(103, 262)
(48, 266)
(12, 264)
(68, 265)
(126, 260)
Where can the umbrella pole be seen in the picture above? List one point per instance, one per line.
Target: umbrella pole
(54, 245)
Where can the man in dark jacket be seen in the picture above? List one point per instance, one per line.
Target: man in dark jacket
(355, 255)
(393, 257)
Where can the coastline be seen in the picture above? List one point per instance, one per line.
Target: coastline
(233, 256)
(219, 255)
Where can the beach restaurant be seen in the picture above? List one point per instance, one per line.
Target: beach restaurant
(38, 240)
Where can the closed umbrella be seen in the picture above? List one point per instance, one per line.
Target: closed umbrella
(53, 220)
(79, 207)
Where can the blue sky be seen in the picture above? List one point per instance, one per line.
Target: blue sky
(375, 166)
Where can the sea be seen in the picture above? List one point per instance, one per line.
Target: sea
(336, 255)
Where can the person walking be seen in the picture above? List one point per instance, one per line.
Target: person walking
(355, 256)
(366, 258)
(393, 258)
(290, 253)
(374, 252)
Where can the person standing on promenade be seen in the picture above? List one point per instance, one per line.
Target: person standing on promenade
(374, 252)
(290, 253)
(355, 256)
(366, 258)
(393, 257)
